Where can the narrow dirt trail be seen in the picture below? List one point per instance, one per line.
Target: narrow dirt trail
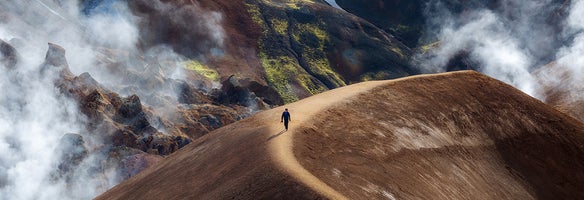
(477, 137)
(281, 146)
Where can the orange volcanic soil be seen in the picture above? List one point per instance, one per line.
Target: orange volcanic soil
(457, 135)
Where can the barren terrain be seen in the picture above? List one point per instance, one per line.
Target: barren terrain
(458, 135)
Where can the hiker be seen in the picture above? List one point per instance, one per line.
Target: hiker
(285, 118)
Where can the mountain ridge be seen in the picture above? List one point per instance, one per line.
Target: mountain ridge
(268, 174)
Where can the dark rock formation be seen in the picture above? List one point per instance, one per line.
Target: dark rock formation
(128, 123)
(8, 55)
(132, 165)
(56, 60)
(403, 19)
(72, 151)
(296, 49)
(187, 94)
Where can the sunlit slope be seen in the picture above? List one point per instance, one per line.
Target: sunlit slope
(451, 136)
(447, 136)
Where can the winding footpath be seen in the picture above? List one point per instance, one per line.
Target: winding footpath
(282, 143)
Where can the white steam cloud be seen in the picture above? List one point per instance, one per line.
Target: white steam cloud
(572, 56)
(507, 41)
(334, 4)
(35, 117)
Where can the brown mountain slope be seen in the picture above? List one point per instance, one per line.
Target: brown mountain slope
(562, 88)
(449, 136)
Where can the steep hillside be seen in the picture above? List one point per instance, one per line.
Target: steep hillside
(455, 135)
(562, 88)
(283, 50)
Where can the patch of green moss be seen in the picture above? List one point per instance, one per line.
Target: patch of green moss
(401, 28)
(321, 66)
(398, 52)
(279, 71)
(293, 6)
(309, 85)
(428, 47)
(282, 70)
(313, 29)
(294, 3)
(370, 76)
(383, 75)
(314, 54)
(256, 16)
(280, 26)
(201, 69)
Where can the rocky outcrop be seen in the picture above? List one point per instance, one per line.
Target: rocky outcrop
(8, 55)
(458, 135)
(55, 60)
(404, 19)
(72, 151)
(135, 134)
(243, 92)
(296, 48)
(310, 47)
(562, 88)
(128, 122)
(134, 164)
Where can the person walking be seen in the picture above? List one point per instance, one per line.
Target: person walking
(285, 118)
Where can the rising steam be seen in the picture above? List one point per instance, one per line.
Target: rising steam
(41, 129)
(507, 39)
(571, 56)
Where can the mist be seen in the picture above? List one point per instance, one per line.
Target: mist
(48, 153)
(570, 57)
(506, 39)
(334, 4)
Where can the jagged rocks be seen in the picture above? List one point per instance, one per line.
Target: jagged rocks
(72, 151)
(187, 94)
(246, 92)
(132, 165)
(55, 59)
(8, 55)
(198, 120)
(130, 112)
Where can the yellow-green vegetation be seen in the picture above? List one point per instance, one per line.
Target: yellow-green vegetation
(279, 72)
(402, 28)
(293, 6)
(315, 57)
(428, 47)
(281, 69)
(321, 66)
(313, 29)
(383, 75)
(398, 52)
(374, 76)
(309, 85)
(256, 16)
(279, 25)
(201, 69)
(284, 71)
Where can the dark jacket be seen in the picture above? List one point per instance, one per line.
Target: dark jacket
(286, 116)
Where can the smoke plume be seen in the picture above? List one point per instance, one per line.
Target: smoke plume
(508, 39)
(47, 151)
(571, 56)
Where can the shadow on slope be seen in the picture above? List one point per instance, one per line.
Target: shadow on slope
(452, 136)
(231, 162)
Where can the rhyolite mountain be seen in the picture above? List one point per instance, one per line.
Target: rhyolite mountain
(295, 48)
(270, 53)
(457, 135)
(262, 53)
